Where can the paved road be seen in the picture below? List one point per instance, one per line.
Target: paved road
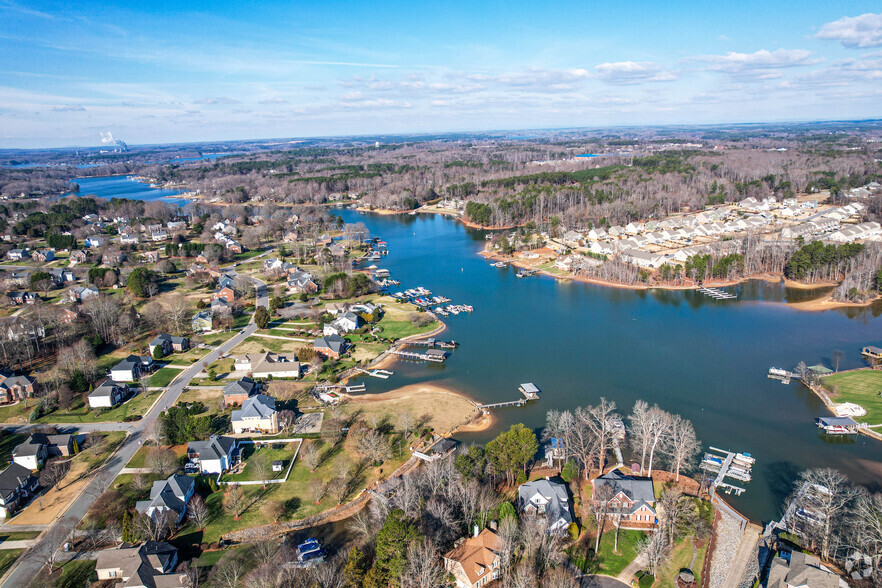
(28, 568)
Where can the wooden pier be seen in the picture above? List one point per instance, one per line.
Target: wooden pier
(783, 375)
(431, 343)
(529, 390)
(382, 374)
(727, 465)
(433, 355)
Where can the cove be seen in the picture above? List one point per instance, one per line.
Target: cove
(701, 358)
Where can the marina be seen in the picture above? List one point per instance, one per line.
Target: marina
(717, 293)
(726, 464)
(431, 342)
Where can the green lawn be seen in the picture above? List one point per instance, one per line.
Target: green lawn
(274, 345)
(607, 561)
(7, 558)
(139, 460)
(218, 338)
(17, 536)
(398, 327)
(8, 442)
(163, 377)
(74, 574)
(861, 387)
(249, 454)
(681, 558)
(242, 320)
(135, 406)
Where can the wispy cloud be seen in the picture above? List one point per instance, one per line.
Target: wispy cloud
(69, 108)
(216, 100)
(632, 72)
(854, 31)
(762, 64)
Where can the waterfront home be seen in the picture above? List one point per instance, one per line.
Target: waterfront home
(108, 394)
(149, 565)
(475, 561)
(215, 455)
(201, 321)
(258, 415)
(331, 346)
(344, 323)
(17, 484)
(642, 258)
(631, 502)
(794, 569)
(14, 388)
(131, 368)
(548, 500)
(168, 343)
(236, 393)
(272, 365)
(170, 495)
(437, 450)
(18, 254)
(39, 446)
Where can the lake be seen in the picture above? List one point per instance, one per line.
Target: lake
(702, 358)
(123, 187)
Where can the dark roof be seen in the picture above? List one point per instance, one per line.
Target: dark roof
(555, 493)
(837, 421)
(215, 447)
(636, 489)
(13, 477)
(240, 386)
(443, 445)
(260, 406)
(335, 343)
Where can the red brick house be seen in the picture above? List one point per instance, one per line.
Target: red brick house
(631, 501)
(14, 388)
(226, 293)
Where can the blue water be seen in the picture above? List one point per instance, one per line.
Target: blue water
(122, 187)
(704, 359)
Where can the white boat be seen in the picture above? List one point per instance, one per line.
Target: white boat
(745, 457)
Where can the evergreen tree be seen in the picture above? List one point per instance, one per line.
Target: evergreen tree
(357, 565)
(261, 317)
(512, 450)
(391, 552)
(128, 528)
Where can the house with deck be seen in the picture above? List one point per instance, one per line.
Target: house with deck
(548, 500)
(631, 502)
(332, 346)
(149, 565)
(257, 415)
(214, 455)
(131, 368)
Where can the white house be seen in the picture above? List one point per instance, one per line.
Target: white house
(108, 394)
(215, 455)
(172, 495)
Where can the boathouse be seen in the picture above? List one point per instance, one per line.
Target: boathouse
(837, 425)
(872, 353)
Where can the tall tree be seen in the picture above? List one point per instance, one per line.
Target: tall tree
(683, 446)
(512, 450)
(390, 559)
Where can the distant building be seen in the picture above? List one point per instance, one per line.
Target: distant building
(476, 561)
(14, 388)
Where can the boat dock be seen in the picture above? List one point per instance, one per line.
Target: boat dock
(529, 390)
(783, 375)
(382, 374)
(431, 343)
(433, 355)
(727, 464)
(717, 293)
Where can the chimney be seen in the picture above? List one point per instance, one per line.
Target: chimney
(493, 526)
(476, 530)
(547, 478)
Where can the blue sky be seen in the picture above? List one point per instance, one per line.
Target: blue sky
(153, 72)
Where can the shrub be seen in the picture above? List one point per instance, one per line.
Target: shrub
(573, 530)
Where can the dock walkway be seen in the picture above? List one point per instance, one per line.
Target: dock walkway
(717, 293)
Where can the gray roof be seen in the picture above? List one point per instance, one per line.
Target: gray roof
(801, 570)
(13, 477)
(106, 388)
(638, 490)
(837, 421)
(555, 493)
(215, 447)
(170, 493)
(240, 386)
(260, 406)
(160, 338)
(335, 343)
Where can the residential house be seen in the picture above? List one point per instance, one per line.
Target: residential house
(62, 276)
(95, 241)
(159, 235)
(17, 484)
(18, 255)
(631, 499)
(344, 323)
(168, 344)
(799, 570)
(332, 346)
(77, 256)
(108, 394)
(176, 225)
(221, 308)
(437, 450)
(226, 293)
(214, 456)
(572, 239)
(80, 293)
(20, 298)
(39, 446)
(267, 365)
(597, 233)
(149, 565)
(170, 495)
(14, 388)
(129, 239)
(131, 368)
(642, 258)
(225, 281)
(236, 393)
(19, 327)
(150, 256)
(43, 255)
(258, 415)
(476, 561)
(300, 282)
(548, 500)
(201, 321)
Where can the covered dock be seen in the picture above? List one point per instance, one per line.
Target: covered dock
(838, 425)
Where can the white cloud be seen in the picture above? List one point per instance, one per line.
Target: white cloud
(216, 100)
(275, 100)
(854, 31)
(632, 72)
(762, 64)
(69, 108)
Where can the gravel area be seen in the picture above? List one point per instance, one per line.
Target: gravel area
(728, 537)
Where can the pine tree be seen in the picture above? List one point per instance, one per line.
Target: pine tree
(356, 567)
(128, 530)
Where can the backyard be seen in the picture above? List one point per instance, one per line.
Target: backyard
(253, 454)
(606, 561)
(683, 556)
(163, 377)
(863, 387)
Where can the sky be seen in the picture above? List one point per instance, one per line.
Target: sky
(171, 71)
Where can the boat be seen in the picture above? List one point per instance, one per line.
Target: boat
(745, 457)
(773, 371)
(521, 275)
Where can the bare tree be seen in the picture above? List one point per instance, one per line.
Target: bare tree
(47, 551)
(311, 455)
(675, 509)
(598, 419)
(406, 422)
(265, 551)
(362, 525)
(197, 511)
(682, 445)
(235, 501)
(825, 496)
(599, 507)
(230, 570)
(650, 429)
(286, 419)
(423, 566)
(867, 527)
(273, 510)
(157, 527)
(317, 489)
(162, 460)
(178, 311)
(53, 473)
(656, 548)
(262, 467)
(837, 357)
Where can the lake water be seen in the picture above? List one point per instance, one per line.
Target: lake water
(123, 187)
(704, 359)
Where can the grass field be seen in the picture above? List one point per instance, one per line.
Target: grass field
(681, 558)
(860, 387)
(607, 561)
(261, 344)
(74, 574)
(163, 377)
(250, 453)
(135, 406)
(139, 460)
(7, 558)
